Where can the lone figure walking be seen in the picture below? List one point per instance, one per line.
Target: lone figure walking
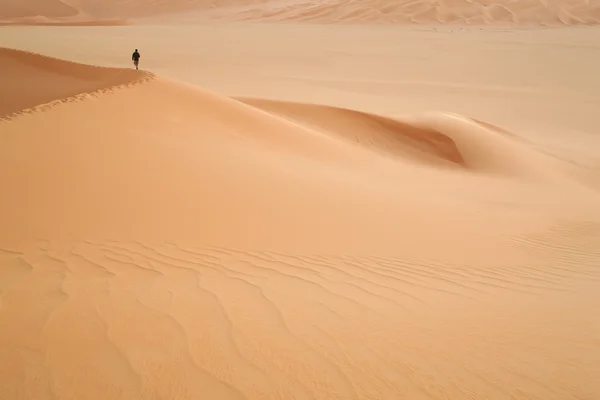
(136, 58)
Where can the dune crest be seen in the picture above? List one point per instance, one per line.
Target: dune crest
(52, 80)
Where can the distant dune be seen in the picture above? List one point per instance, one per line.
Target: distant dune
(32, 8)
(481, 12)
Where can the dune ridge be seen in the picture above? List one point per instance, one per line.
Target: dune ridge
(480, 12)
(170, 242)
(51, 81)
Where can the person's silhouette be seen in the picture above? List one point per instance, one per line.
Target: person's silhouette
(136, 58)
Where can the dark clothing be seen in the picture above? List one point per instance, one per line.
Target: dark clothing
(135, 56)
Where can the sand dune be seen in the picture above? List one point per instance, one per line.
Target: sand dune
(344, 145)
(160, 240)
(568, 12)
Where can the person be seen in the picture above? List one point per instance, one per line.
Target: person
(136, 58)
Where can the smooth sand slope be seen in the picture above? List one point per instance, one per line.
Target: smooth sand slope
(160, 241)
(564, 12)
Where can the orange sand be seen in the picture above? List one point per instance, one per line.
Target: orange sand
(290, 211)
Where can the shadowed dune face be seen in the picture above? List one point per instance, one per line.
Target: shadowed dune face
(28, 79)
(568, 12)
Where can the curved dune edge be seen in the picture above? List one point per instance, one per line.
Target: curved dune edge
(438, 139)
(388, 136)
(33, 82)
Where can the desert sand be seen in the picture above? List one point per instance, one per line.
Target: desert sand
(299, 200)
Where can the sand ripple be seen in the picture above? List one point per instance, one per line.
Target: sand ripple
(181, 321)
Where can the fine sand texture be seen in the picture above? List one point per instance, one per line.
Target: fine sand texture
(297, 211)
